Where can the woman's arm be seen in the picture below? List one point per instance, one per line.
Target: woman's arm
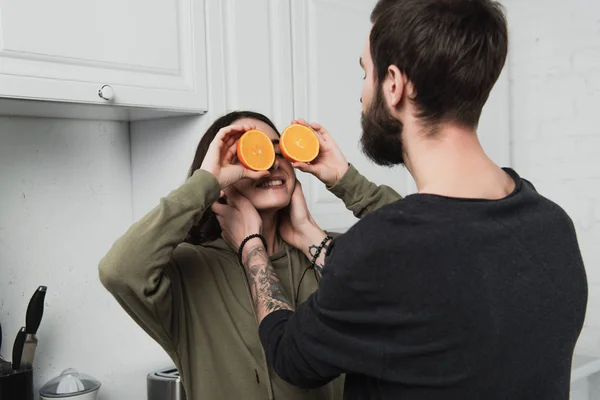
(360, 195)
(139, 270)
(331, 167)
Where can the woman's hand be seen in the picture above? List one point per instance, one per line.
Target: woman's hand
(238, 218)
(222, 150)
(297, 227)
(331, 164)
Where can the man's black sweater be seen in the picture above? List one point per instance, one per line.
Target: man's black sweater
(442, 298)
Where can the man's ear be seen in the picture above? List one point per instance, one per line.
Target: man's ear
(394, 86)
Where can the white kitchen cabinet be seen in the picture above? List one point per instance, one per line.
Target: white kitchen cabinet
(150, 55)
(328, 38)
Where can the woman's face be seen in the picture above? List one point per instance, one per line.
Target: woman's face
(275, 191)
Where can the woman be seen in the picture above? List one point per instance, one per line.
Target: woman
(176, 277)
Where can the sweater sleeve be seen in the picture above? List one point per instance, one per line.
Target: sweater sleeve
(140, 270)
(360, 195)
(336, 330)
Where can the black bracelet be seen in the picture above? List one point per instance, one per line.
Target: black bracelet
(319, 250)
(256, 235)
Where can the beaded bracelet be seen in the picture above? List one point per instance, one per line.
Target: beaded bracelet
(319, 250)
(255, 235)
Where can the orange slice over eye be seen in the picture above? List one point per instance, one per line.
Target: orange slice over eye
(299, 143)
(255, 151)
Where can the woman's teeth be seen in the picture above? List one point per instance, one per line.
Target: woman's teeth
(277, 182)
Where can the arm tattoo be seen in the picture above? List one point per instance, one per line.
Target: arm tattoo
(312, 249)
(319, 268)
(267, 293)
(320, 262)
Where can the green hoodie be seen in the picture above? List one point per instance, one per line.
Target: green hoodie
(195, 301)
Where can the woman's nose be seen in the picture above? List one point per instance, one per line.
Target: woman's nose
(275, 165)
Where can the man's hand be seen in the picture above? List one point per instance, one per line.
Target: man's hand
(331, 164)
(238, 219)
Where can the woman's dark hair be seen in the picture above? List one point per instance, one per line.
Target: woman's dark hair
(208, 228)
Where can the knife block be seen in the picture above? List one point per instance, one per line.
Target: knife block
(17, 385)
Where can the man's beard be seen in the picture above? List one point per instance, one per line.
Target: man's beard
(381, 138)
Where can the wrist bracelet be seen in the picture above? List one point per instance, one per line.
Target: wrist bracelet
(319, 250)
(255, 235)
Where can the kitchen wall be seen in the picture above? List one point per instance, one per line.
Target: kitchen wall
(65, 194)
(555, 99)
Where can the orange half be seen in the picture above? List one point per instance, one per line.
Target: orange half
(299, 143)
(255, 151)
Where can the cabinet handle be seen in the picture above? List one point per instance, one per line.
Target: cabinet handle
(106, 92)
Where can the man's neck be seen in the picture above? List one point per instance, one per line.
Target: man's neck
(269, 231)
(452, 163)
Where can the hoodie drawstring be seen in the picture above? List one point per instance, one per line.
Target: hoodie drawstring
(291, 275)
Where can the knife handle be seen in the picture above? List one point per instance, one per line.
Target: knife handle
(18, 349)
(35, 310)
(29, 351)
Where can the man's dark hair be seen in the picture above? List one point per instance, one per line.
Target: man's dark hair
(451, 50)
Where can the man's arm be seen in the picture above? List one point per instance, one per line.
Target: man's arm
(337, 329)
(361, 196)
(267, 293)
(315, 242)
(313, 249)
(273, 307)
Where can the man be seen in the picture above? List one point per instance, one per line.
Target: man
(474, 288)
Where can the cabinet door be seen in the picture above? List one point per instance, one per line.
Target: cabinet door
(328, 40)
(151, 53)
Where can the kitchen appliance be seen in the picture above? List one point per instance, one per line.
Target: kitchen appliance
(165, 384)
(71, 385)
